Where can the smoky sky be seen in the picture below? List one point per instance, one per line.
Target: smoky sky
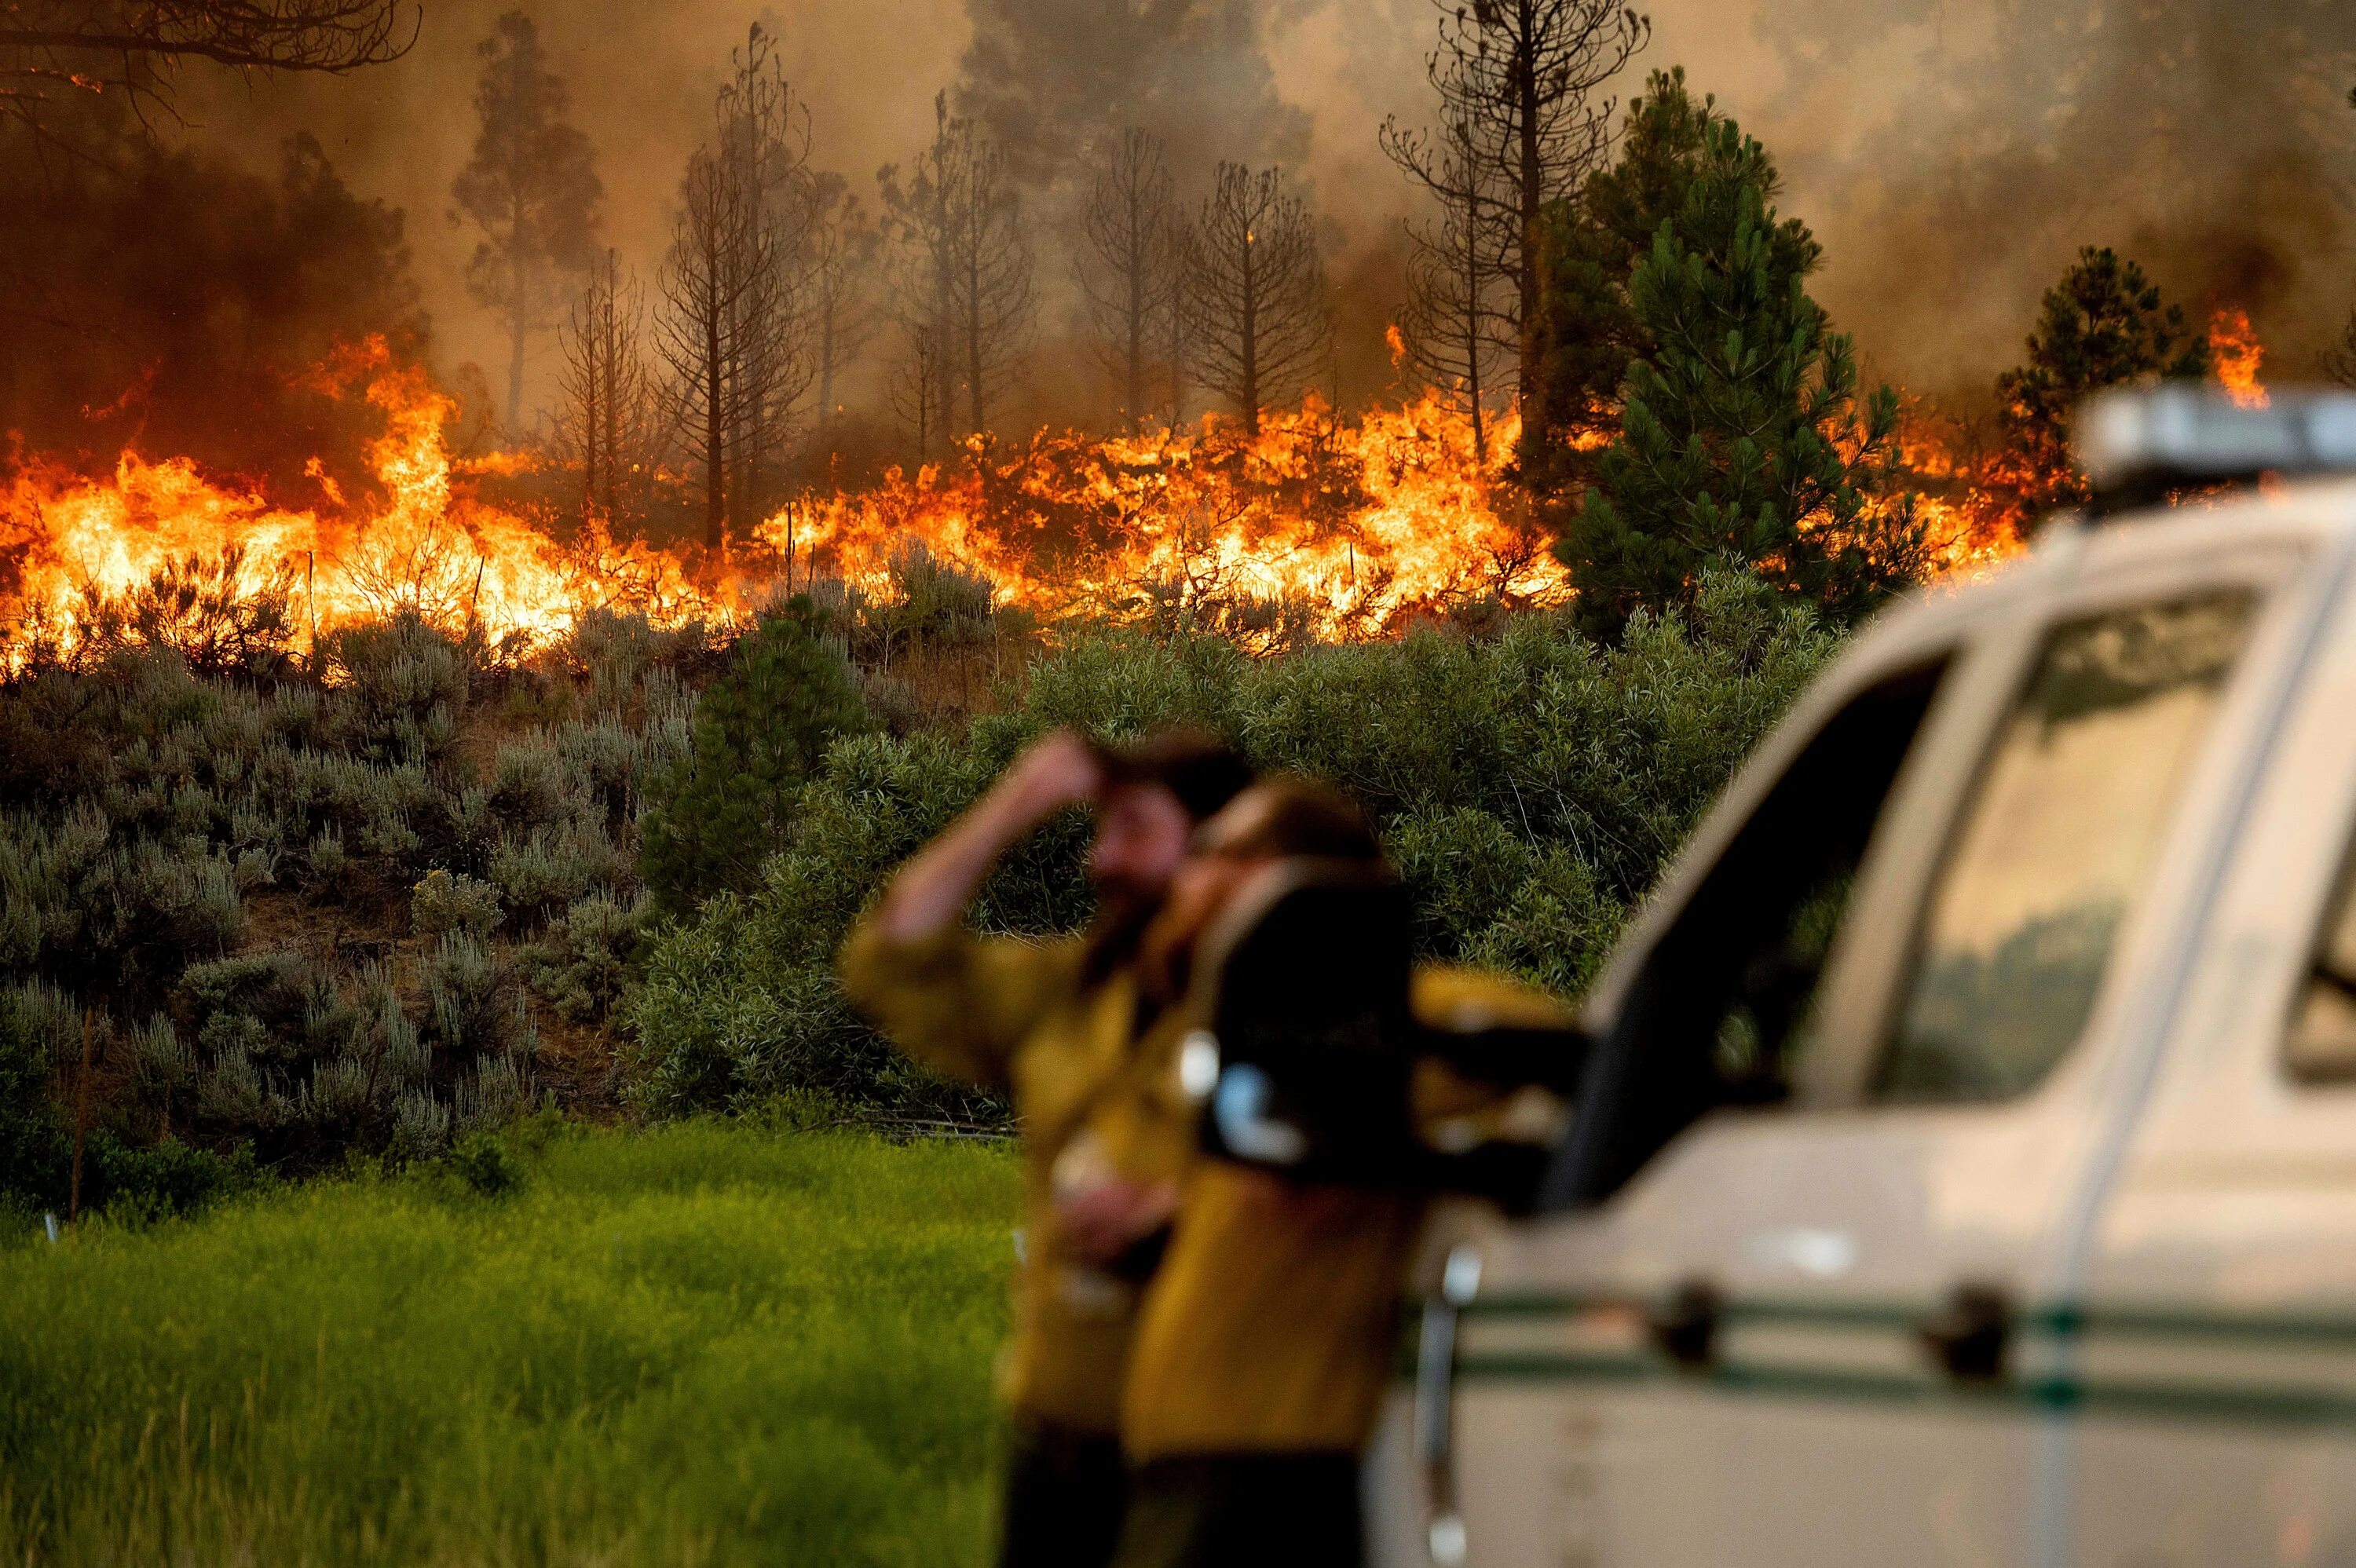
(1952, 154)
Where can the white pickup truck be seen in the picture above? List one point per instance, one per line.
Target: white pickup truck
(1964, 1172)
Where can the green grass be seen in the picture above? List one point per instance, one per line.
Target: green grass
(703, 1344)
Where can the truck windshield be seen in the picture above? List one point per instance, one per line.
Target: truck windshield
(2056, 844)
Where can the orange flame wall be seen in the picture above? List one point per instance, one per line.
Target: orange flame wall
(1350, 529)
(1358, 526)
(1364, 525)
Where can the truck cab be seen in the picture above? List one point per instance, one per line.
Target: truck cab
(1964, 1170)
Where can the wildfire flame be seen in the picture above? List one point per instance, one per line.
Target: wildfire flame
(69, 543)
(1360, 527)
(1316, 526)
(2236, 353)
(1350, 528)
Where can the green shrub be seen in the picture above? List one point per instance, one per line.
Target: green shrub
(556, 867)
(583, 960)
(442, 903)
(409, 682)
(484, 1164)
(38, 1030)
(475, 1002)
(1463, 868)
(760, 729)
(163, 1181)
(1557, 928)
(1530, 786)
(527, 785)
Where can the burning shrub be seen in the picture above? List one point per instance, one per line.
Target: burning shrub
(223, 615)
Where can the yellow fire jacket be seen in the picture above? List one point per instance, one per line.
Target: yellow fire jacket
(1014, 1016)
(1272, 1325)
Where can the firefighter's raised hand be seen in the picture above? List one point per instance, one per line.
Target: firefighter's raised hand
(932, 890)
(1054, 772)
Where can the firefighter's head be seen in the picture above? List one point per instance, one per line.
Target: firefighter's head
(1156, 793)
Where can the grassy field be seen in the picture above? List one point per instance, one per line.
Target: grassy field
(703, 1344)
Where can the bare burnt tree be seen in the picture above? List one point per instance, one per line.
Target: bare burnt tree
(1258, 288)
(1127, 272)
(916, 385)
(843, 245)
(990, 286)
(769, 135)
(608, 421)
(1517, 82)
(53, 52)
(917, 211)
(531, 189)
(1458, 323)
(731, 331)
(765, 132)
(719, 288)
(1177, 318)
(965, 268)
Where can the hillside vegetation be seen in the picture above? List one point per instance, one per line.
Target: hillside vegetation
(264, 911)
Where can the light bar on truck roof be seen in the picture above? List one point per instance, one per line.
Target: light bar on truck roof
(2190, 434)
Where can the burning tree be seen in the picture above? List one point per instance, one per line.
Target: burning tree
(965, 267)
(1128, 271)
(1256, 285)
(1516, 81)
(530, 187)
(1742, 434)
(2104, 324)
(608, 420)
(733, 330)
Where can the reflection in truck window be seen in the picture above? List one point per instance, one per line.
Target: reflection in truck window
(2056, 844)
(2322, 1043)
(1720, 1013)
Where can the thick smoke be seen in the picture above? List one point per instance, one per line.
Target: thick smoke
(1049, 76)
(1952, 153)
(1955, 153)
(170, 301)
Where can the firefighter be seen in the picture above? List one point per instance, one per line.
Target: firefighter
(1269, 1333)
(1067, 1031)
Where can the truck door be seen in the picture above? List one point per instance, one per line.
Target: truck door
(1852, 1075)
(2214, 1365)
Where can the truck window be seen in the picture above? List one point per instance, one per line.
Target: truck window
(2321, 1046)
(1720, 1014)
(2060, 837)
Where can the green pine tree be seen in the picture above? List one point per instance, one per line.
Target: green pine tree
(1587, 327)
(1742, 434)
(760, 732)
(2102, 325)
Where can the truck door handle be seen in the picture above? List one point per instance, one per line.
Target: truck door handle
(1971, 1336)
(1435, 1405)
(1685, 1324)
